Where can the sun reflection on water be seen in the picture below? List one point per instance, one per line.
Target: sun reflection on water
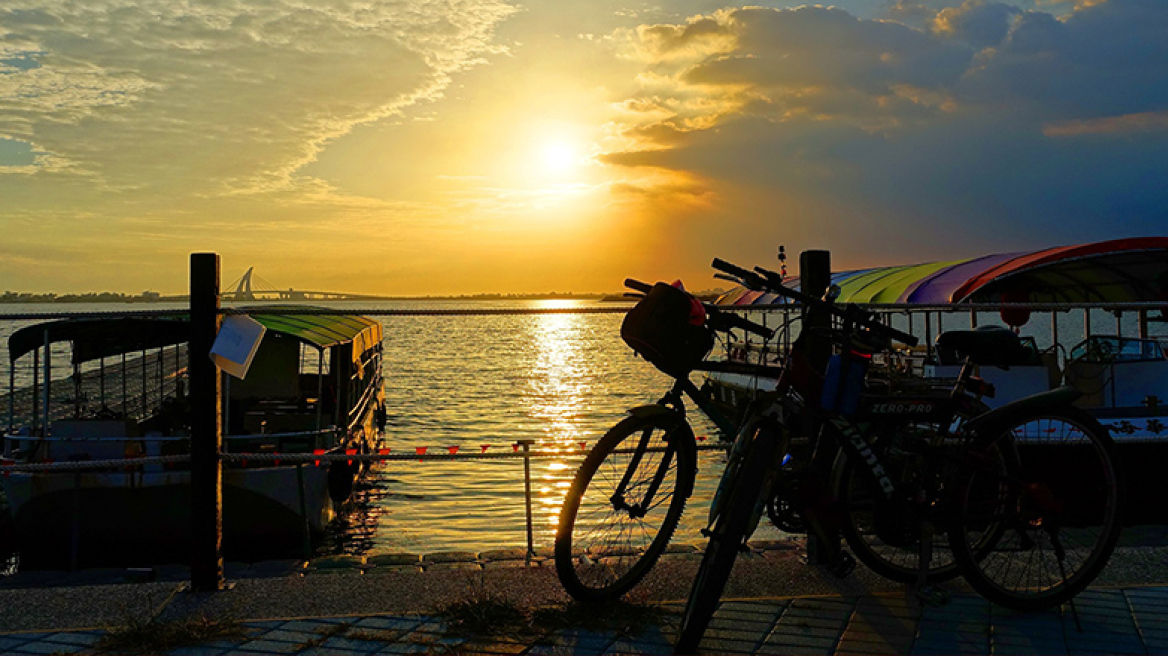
(558, 389)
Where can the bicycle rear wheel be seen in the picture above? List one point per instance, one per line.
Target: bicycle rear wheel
(739, 516)
(1055, 513)
(884, 536)
(624, 504)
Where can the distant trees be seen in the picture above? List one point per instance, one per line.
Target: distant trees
(90, 297)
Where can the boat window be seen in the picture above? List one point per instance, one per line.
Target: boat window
(1117, 349)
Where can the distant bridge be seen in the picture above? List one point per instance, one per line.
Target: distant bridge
(243, 289)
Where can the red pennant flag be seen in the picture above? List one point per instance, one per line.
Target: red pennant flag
(583, 446)
(244, 462)
(701, 438)
(383, 452)
(317, 452)
(515, 448)
(484, 447)
(452, 449)
(421, 450)
(350, 452)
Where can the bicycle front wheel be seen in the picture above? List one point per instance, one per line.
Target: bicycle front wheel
(1054, 512)
(739, 516)
(624, 505)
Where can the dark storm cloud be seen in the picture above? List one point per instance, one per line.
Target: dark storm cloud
(1012, 125)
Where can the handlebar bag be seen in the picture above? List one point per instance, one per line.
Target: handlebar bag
(660, 330)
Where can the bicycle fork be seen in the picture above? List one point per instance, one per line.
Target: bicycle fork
(637, 511)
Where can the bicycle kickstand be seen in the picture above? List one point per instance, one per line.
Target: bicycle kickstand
(926, 593)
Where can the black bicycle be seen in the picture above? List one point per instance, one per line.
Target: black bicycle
(1028, 495)
(629, 494)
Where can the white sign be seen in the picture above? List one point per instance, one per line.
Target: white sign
(236, 344)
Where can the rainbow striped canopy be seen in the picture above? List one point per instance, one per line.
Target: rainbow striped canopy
(1115, 271)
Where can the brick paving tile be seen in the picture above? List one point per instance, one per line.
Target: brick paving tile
(10, 641)
(38, 647)
(197, 650)
(967, 640)
(491, 647)
(389, 623)
(270, 646)
(650, 648)
(711, 645)
(349, 644)
(404, 648)
(819, 642)
(284, 635)
(849, 646)
(84, 639)
(327, 651)
(1023, 643)
(575, 641)
(303, 626)
(952, 645)
(795, 629)
(266, 624)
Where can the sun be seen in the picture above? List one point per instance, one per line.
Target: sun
(559, 156)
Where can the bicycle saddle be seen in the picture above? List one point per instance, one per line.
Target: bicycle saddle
(989, 345)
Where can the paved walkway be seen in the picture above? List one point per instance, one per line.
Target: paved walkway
(1128, 620)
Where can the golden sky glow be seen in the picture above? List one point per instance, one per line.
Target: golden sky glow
(469, 146)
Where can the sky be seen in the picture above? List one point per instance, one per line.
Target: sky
(424, 147)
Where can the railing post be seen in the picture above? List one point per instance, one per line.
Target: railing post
(526, 444)
(814, 279)
(206, 427)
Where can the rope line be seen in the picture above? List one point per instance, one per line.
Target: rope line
(315, 458)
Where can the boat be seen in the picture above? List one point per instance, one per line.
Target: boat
(1092, 316)
(314, 387)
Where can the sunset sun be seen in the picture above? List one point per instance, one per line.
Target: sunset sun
(559, 157)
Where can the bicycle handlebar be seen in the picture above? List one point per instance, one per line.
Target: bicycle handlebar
(716, 319)
(764, 280)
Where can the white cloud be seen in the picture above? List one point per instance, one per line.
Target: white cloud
(225, 96)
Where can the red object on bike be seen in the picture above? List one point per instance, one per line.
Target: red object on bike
(697, 311)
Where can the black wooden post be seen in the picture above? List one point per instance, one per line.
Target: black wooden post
(206, 427)
(814, 279)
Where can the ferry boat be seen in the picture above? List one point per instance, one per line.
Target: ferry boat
(1093, 316)
(314, 387)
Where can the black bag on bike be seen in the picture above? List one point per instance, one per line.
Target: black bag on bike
(659, 329)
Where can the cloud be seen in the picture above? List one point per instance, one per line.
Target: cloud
(1126, 125)
(957, 129)
(224, 97)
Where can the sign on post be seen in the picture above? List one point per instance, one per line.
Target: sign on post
(236, 344)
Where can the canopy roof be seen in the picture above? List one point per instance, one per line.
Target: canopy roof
(1115, 271)
(95, 338)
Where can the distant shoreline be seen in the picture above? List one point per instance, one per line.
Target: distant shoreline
(11, 298)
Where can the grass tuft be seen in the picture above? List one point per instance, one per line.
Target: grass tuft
(152, 636)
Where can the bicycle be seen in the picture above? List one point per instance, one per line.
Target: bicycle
(629, 494)
(627, 497)
(996, 508)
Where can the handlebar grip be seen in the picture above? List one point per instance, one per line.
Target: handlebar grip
(638, 285)
(726, 267)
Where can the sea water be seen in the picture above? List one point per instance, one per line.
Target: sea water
(482, 384)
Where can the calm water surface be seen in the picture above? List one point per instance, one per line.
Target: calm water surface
(473, 382)
(559, 379)
(489, 381)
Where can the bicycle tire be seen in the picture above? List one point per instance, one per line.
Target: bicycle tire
(1057, 517)
(893, 559)
(731, 527)
(602, 551)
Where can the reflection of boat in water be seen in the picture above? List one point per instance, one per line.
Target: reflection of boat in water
(314, 387)
(1122, 372)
